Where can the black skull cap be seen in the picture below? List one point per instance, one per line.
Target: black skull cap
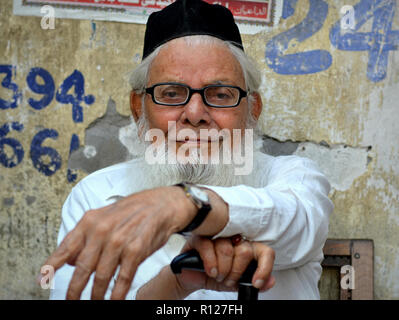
(190, 17)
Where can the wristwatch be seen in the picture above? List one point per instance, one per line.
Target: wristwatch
(201, 201)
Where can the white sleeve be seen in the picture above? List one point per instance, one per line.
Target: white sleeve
(290, 214)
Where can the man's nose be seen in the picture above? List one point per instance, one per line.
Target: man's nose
(196, 112)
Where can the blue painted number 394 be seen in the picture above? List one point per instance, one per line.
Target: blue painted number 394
(71, 92)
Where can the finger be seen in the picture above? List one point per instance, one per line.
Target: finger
(105, 270)
(73, 243)
(270, 282)
(187, 246)
(84, 267)
(67, 251)
(130, 262)
(213, 284)
(242, 257)
(206, 250)
(111, 257)
(147, 238)
(224, 253)
(265, 257)
(124, 280)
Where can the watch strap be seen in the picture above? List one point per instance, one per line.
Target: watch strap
(199, 217)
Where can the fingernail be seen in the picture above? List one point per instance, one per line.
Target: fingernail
(219, 278)
(230, 283)
(259, 283)
(270, 282)
(214, 272)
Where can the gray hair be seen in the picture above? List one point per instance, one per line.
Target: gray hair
(252, 76)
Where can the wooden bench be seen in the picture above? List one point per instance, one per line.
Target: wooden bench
(358, 256)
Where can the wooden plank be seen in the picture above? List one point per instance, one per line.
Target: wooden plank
(335, 261)
(329, 284)
(363, 264)
(337, 247)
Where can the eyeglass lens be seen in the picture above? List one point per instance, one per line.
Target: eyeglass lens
(214, 95)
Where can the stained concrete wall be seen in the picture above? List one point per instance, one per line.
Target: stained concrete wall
(337, 104)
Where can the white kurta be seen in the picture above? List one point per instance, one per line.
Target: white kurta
(286, 207)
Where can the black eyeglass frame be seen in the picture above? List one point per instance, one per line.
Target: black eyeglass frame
(191, 91)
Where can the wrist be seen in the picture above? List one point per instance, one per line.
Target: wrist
(217, 218)
(176, 290)
(200, 199)
(181, 291)
(185, 210)
(165, 286)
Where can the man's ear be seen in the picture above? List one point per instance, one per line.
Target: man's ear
(256, 105)
(135, 105)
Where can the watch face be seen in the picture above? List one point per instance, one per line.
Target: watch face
(198, 193)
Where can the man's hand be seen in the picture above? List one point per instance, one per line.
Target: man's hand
(224, 263)
(122, 234)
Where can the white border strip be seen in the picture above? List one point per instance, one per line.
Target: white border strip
(128, 16)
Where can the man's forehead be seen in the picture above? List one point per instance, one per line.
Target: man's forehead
(178, 59)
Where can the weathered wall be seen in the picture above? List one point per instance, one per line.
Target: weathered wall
(338, 107)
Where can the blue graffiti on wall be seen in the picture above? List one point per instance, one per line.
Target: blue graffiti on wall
(46, 89)
(304, 62)
(71, 92)
(378, 42)
(77, 81)
(74, 145)
(8, 84)
(18, 151)
(37, 151)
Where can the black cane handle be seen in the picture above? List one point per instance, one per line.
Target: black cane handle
(191, 260)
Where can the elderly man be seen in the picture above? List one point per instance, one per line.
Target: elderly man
(122, 225)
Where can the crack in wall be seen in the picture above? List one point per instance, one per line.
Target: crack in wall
(109, 140)
(341, 163)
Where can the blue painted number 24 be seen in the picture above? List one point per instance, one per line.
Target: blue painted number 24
(378, 42)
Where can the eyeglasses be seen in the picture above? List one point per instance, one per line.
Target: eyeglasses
(178, 94)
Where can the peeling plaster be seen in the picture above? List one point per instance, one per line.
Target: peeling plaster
(102, 147)
(339, 105)
(340, 163)
(89, 151)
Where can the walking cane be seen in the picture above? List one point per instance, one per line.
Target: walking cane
(191, 260)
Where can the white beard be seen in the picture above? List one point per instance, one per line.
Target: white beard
(166, 174)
